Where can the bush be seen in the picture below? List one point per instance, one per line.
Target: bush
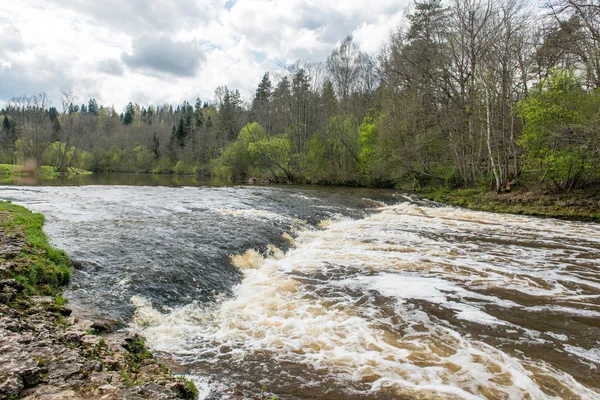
(561, 135)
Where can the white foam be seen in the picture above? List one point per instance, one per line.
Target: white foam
(558, 336)
(250, 214)
(433, 290)
(592, 355)
(441, 256)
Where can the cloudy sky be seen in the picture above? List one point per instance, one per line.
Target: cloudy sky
(157, 51)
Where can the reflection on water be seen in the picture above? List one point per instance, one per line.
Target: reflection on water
(407, 300)
(109, 178)
(21, 180)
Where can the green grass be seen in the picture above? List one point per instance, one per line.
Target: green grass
(7, 169)
(44, 172)
(127, 379)
(40, 267)
(137, 352)
(60, 301)
(583, 206)
(187, 390)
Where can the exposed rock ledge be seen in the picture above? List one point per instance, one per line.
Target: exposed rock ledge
(47, 354)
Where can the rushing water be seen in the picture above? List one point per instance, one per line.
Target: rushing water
(336, 293)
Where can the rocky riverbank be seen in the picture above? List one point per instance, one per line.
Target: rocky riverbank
(45, 353)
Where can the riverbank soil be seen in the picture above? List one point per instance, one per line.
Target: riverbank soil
(576, 205)
(45, 353)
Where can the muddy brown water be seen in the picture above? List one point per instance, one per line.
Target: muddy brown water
(327, 293)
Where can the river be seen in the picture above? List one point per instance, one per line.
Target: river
(333, 293)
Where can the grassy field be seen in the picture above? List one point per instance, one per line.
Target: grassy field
(577, 205)
(27, 256)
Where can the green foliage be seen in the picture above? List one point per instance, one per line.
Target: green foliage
(273, 154)
(143, 159)
(163, 166)
(561, 134)
(334, 157)
(8, 169)
(44, 172)
(316, 161)
(186, 167)
(236, 160)
(138, 159)
(58, 150)
(367, 134)
(255, 155)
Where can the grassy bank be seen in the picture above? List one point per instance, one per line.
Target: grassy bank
(28, 257)
(577, 205)
(44, 172)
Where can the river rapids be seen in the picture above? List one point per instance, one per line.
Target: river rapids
(306, 293)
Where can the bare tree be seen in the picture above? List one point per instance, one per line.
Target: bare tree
(70, 133)
(578, 20)
(34, 125)
(345, 65)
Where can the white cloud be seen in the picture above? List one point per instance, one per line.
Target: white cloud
(371, 36)
(156, 51)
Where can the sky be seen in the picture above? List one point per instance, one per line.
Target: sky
(165, 51)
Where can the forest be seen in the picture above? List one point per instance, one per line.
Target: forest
(465, 93)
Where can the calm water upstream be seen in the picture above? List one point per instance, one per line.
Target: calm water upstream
(332, 293)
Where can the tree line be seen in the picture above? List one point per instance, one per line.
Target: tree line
(464, 93)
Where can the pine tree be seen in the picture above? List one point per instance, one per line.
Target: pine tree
(181, 134)
(264, 90)
(261, 105)
(93, 107)
(6, 124)
(198, 116)
(150, 115)
(155, 146)
(53, 114)
(9, 134)
(129, 113)
(281, 105)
